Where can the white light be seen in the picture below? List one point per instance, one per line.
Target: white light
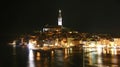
(60, 19)
(31, 59)
(30, 45)
(45, 44)
(59, 23)
(99, 49)
(59, 11)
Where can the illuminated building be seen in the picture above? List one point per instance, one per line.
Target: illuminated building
(51, 28)
(60, 19)
(48, 28)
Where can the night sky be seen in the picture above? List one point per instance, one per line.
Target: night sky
(20, 16)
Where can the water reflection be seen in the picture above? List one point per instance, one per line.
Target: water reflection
(69, 57)
(31, 59)
(19, 56)
(102, 57)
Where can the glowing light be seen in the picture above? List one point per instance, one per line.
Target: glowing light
(31, 59)
(14, 42)
(60, 19)
(100, 61)
(104, 51)
(60, 23)
(70, 50)
(56, 44)
(70, 32)
(92, 44)
(45, 44)
(52, 53)
(59, 11)
(30, 45)
(113, 51)
(66, 53)
(71, 44)
(99, 49)
(38, 56)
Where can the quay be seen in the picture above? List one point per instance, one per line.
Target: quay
(47, 51)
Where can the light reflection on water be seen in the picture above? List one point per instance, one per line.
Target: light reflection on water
(31, 62)
(93, 57)
(108, 57)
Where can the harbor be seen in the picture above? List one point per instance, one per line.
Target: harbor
(82, 56)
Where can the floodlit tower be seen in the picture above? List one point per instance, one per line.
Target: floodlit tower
(60, 19)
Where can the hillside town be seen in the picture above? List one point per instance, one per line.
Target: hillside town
(58, 35)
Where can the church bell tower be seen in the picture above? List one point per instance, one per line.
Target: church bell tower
(60, 19)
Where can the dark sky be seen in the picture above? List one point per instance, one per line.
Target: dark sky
(19, 16)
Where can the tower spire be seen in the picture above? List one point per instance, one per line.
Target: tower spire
(60, 19)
